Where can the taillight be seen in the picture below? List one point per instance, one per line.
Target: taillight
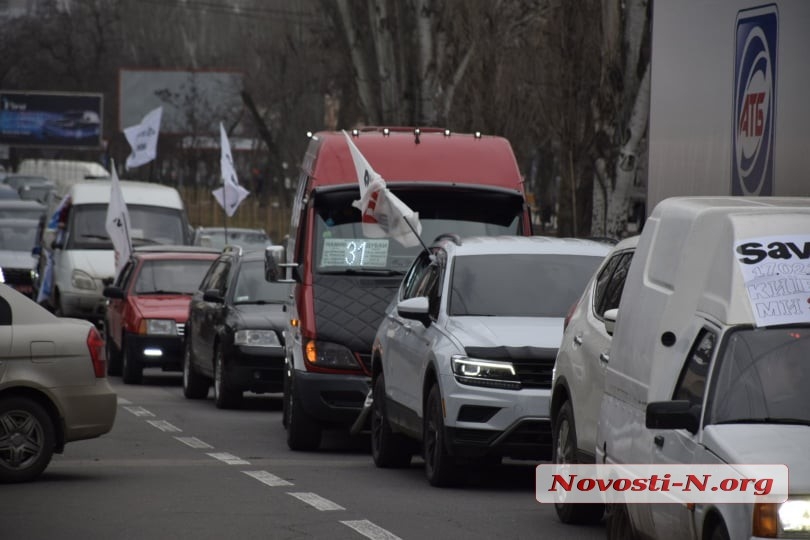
(97, 353)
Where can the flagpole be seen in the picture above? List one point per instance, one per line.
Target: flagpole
(224, 208)
(416, 234)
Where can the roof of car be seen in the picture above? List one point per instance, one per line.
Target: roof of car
(98, 191)
(154, 252)
(479, 245)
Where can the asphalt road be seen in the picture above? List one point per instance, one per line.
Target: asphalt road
(174, 468)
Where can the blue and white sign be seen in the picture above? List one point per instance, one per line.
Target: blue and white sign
(755, 69)
(51, 119)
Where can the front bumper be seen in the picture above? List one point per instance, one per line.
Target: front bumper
(331, 398)
(156, 351)
(255, 369)
(490, 421)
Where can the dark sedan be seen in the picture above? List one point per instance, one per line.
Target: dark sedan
(234, 334)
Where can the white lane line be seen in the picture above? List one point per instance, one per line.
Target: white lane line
(139, 411)
(370, 530)
(315, 500)
(267, 478)
(230, 459)
(124, 401)
(193, 442)
(164, 425)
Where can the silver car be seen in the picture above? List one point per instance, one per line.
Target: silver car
(53, 386)
(462, 360)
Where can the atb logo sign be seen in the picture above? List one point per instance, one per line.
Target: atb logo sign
(754, 101)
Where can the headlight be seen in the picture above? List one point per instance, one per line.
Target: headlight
(330, 355)
(82, 280)
(773, 520)
(158, 327)
(487, 373)
(256, 338)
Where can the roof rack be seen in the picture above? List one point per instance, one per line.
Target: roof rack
(449, 236)
(164, 248)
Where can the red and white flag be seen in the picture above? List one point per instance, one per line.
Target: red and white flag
(383, 213)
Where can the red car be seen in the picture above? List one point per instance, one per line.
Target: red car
(148, 308)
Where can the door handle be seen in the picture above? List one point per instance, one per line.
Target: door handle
(604, 358)
(577, 340)
(659, 441)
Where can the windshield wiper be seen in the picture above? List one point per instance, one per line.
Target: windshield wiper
(161, 291)
(767, 420)
(95, 236)
(144, 240)
(259, 302)
(363, 272)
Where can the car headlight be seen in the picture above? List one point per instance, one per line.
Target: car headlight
(158, 327)
(774, 520)
(330, 355)
(487, 373)
(82, 280)
(256, 338)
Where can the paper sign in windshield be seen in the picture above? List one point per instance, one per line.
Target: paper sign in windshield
(354, 252)
(776, 271)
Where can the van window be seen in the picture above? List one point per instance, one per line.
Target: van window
(692, 381)
(762, 376)
(150, 225)
(341, 246)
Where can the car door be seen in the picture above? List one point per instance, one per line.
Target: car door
(117, 308)
(201, 314)
(680, 447)
(396, 329)
(212, 317)
(593, 342)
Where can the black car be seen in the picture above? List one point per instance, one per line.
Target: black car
(234, 334)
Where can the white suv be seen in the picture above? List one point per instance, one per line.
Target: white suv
(462, 361)
(579, 372)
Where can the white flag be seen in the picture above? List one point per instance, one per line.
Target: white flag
(117, 223)
(383, 213)
(231, 194)
(143, 139)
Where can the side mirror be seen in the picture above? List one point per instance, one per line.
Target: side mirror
(415, 308)
(271, 268)
(678, 414)
(213, 295)
(114, 292)
(610, 320)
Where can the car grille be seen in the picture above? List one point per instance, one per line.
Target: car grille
(181, 329)
(16, 276)
(534, 373)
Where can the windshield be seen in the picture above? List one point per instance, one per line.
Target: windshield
(150, 225)
(762, 376)
(167, 277)
(17, 237)
(518, 285)
(22, 213)
(341, 246)
(247, 239)
(252, 288)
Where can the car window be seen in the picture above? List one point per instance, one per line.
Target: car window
(692, 381)
(5, 312)
(171, 276)
(123, 277)
(612, 293)
(252, 288)
(602, 281)
(215, 279)
(411, 282)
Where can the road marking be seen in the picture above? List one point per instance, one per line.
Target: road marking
(230, 459)
(139, 411)
(267, 478)
(164, 425)
(193, 442)
(370, 530)
(315, 500)
(124, 401)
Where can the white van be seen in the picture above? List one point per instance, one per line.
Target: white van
(710, 361)
(82, 253)
(63, 172)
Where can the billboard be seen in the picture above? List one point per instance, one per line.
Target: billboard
(51, 119)
(194, 102)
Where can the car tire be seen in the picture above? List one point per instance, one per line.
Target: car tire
(719, 532)
(132, 371)
(440, 467)
(113, 356)
(195, 386)
(225, 397)
(303, 431)
(564, 451)
(25, 419)
(388, 449)
(617, 524)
